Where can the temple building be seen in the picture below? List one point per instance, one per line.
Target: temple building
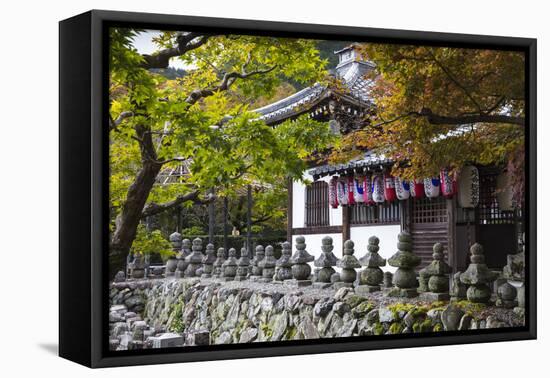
(360, 199)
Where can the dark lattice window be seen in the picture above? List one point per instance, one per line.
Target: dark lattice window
(317, 204)
(429, 210)
(386, 213)
(488, 209)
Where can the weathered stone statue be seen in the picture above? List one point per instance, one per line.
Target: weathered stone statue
(184, 252)
(506, 296)
(348, 263)
(325, 262)
(242, 266)
(458, 289)
(172, 262)
(120, 276)
(218, 271)
(194, 260)
(208, 261)
(256, 273)
(137, 267)
(404, 278)
(515, 267)
(423, 279)
(268, 265)
(478, 276)
(300, 267)
(372, 276)
(438, 276)
(230, 266)
(283, 266)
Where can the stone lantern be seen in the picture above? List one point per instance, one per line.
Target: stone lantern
(477, 276)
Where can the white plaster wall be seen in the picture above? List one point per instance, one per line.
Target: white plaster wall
(313, 244)
(388, 241)
(299, 202)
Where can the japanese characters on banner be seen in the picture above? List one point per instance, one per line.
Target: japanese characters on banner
(431, 187)
(342, 191)
(402, 189)
(332, 192)
(372, 189)
(359, 188)
(367, 190)
(448, 184)
(378, 188)
(468, 187)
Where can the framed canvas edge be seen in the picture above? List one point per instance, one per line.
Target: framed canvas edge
(99, 177)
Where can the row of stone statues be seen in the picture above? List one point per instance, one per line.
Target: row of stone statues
(432, 282)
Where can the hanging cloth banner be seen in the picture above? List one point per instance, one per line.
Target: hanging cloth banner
(402, 189)
(389, 188)
(358, 188)
(417, 189)
(431, 187)
(367, 190)
(448, 185)
(351, 185)
(342, 191)
(332, 195)
(378, 188)
(468, 187)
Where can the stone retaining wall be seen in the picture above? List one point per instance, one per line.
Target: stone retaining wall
(180, 312)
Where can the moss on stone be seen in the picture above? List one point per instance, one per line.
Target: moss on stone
(423, 326)
(438, 327)
(354, 300)
(400, 308)
(266, 330)
(396, 328)
(378, 329)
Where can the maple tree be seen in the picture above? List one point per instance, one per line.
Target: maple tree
(203, 118)
(444, 107)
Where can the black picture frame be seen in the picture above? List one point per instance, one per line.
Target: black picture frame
(83, 196)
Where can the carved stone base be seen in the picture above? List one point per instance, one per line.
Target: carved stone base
(366, 289)
(255, 278)
(322, 285)
(227, 279)
(339, 285)
(297, 283)
(402, 293)
(433, 297)
(241, 278)
(265, 280)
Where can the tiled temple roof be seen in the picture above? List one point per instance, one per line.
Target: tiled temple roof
(369, 161)
(350, 70)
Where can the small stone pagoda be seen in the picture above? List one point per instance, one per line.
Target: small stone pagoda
(438, 276)
(478, 276)
(268, 265)
(194, 260)
(208, 261)
(372, 276)
(300, 267)
(283, 266)
(404, 278)
(256, 273)
(242, 266)
(325, 262)
(348, 263)
(230, 266)
(218, 272)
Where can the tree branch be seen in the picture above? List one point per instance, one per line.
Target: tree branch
(157, 208)
(438, 119)
(185, 42)
(228, 79)
(114, 123)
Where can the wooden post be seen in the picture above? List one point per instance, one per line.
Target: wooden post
(346, 231)
(289, 212)
(452, 257)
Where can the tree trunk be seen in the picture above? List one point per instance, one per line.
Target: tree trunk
(130, 216)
